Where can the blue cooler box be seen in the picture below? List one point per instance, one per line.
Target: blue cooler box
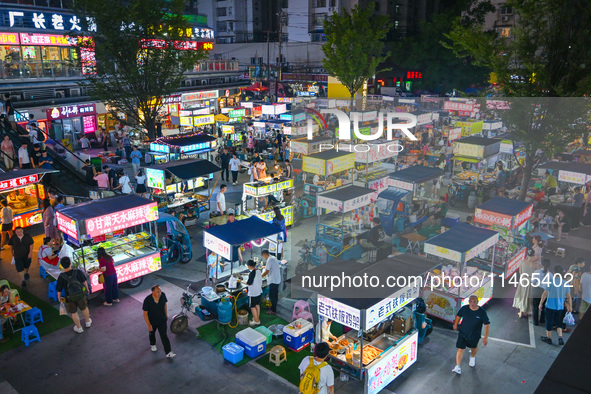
(450, 220)
(294, 337)
(254, 343)
(233, 353)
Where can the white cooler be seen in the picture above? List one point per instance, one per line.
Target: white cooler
(297, 338)
(253, 342)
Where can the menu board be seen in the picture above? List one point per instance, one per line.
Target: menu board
(155, 178)
(392, 364)
(89, 123)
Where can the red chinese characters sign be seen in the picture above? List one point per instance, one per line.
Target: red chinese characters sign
(523, 216)
(492, 218)
(457, 106)
(67, 225)
(46, 39)
(19, 182)
(131, 270)
(515, 263)
(122, 219)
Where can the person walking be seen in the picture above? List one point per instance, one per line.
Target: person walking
(140, 180)
(155, 316)
(105, 140)
(125, 184)
(576, 270)
(274, 271)
(255, 289)
(7, 216)
(135, 157)
(74, 283)
(225, 164)
(523, 295)
(312, 368)
(556, 293)
(544, 276)
(221, 200)
(585, 293)
(127, 145)
(473, 317)
(107, 267)
(9, 152)
(22, 251)
(234, 167)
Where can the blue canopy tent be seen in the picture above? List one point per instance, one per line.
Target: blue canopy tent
(224, 240)
(417, 174)
(505, 206)
(451, 288)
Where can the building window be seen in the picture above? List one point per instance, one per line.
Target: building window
(284, 4)
(221, 26)
(396, 24)
(320, 3)
(506, 32)
(504, 10)
(221, 11)
(397, 9)
(332, 3)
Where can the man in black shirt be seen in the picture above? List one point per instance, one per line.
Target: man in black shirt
(73, 306)
(36, 156)
(375, 237)
(225, 164)
(113, 179)
(473, 317)
(90, 171)
(22, 250)
(156, 315)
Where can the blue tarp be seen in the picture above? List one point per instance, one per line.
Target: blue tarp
(417, 174)
(393, 194)
(243, 231)
(462, 237)
(505, 206)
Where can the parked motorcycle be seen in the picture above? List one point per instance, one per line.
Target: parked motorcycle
(180, 321)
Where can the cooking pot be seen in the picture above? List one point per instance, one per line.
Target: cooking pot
(220, 288)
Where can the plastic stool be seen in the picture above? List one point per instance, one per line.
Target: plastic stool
(52, 291)
(42, 272)
(33, 316)
(275, 355)
(29, 334)
(560, 252)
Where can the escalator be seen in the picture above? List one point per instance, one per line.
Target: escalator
(70, 181)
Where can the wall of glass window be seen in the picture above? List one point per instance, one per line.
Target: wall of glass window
(38, 61)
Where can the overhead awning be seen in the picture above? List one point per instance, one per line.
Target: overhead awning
(466, 159)
(461, 243)
(417, 174)
(21, 178)
(345, 199)
(221, 118)
(393, 194)
(188, 169)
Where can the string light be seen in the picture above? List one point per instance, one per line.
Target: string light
(261, 244)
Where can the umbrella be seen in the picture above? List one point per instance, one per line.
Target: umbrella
(256, 87)
(544, 236)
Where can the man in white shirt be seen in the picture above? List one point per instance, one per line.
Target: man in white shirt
(586, 293)
(23, 157)
(221, 200)
(274, 271)
(326, 382)
(234, 167)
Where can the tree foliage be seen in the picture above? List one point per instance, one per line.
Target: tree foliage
(133, 74)
(354, 48)
(547, 56)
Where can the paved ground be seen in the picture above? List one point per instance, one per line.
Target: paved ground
(114, 354)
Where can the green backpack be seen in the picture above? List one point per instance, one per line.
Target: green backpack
(309, 383)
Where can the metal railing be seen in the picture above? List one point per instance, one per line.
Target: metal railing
(39, 69)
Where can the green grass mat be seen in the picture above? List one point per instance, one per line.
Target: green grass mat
(218, 335)
(288, 369)
(426, 231)
(52, 321)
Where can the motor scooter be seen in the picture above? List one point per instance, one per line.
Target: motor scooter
(180, 321)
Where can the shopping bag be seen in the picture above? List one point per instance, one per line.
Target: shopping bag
(232, 283)
(569, 319)
(101, 278)
(63, 309)
(12, 262)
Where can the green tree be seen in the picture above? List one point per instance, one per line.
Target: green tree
(137, 62)
(546, 55)
(354, 47)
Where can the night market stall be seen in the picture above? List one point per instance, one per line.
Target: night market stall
(510, 218)
(23, 191)
(174, 184)
(341, 234)
(269, 188)
(186, 146)
(451, 283)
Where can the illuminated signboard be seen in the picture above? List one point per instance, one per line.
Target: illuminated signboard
(198, 96)
(130, 270)
(180, 45)
(46, 39)
(44, 20)
(195, 147)
(70, 111)
(19, 182)
(203, 120)
(237, 113)
(9, 39)
(160, 148)
(155, 178)
(120, 220)
(67, 225)
(414, 75)
(285, 117)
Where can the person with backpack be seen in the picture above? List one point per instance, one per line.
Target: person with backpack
(316, 376)
(75, 284)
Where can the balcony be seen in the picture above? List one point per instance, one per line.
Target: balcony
(207, 66)
(26, 70)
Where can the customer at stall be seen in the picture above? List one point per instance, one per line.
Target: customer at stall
(255, 289)
(4, 303)
(562, 224)
(71, 280)
(234, 167)
(274, 271)
(107, 267)
(7, 216)
(440, 211)
(155, 316)
(214, 265)
(472, 318)
(309, 372)
(543, 276)
(49, 221)
(551, 184)
(46, 253)
(221, 200)
(556, 293)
